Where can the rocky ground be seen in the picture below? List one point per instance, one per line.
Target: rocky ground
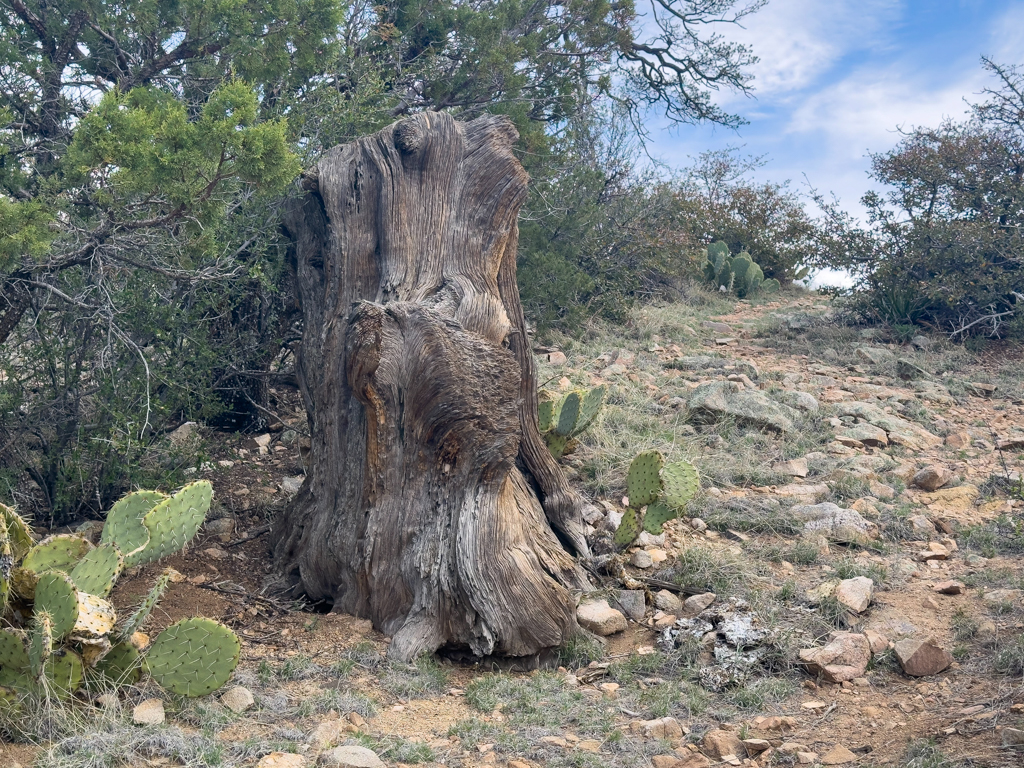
(846, 589)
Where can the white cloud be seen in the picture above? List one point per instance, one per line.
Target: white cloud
(798, 41)
(1008, 36)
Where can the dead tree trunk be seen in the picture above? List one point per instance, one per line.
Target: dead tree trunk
(431, 505)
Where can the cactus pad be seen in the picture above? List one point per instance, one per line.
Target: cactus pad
(97, 571)
(546, 411)
(56, 553)
(18, 532)
(681, 482)
(93, 649)
(64, 672)
(56, 596)
(137, 619)
(124, 522)
(643, 481)
(6, 568)
(193, 656)
(628, 529)
(568, 414)
(40, 643)
(591, 406)
(556, 443)
(173, 522)
(14, 663)
(656, 516)
(122, 665)
(96, 616)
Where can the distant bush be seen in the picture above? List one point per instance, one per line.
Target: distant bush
(944, 247)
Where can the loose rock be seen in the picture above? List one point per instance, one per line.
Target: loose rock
(710, 403)
(668, 602)
(149, 712)
(855, 593)
(600, 618)
(283, 760)
(845, 658)
(632, 603)
(718, 743)
(697, 603)
(920, 658)
(838, 755)
(237, 698)
(351, 757)
(932, 477)
(950, 587)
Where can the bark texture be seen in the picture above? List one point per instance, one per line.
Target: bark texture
(431, 502)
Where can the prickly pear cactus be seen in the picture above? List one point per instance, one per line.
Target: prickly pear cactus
(662, 489)
(18, 532)
(40, 645)
(96, 616)
(14, 661)
(628, 529)
(174, 522)
(121, 665)
(56, 553)
(137, 619)
(643, 481)
(562, 419)
(193, 657)
(124, 525)
(98, 570)
(681, 482)
(6, 569)
(771, 285)
(57, 597)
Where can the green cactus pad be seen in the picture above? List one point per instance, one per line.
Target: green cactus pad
(556, 443)
(656, 516)
(193, 657)
(98, 570)
(568, 414)
(628, 529)
(18, 532)
(546, 410)
(56, 596)
(591, 407)
(681, 482)
(96, 617)
(14, 662)
(643, 482)
(121, 666)
(137, 619)
(771, 285)
(173, 522)
(56, 553)
(40, 643)
(63, 673)
(124, 522)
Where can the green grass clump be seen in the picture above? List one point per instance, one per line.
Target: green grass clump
(541, 700)
(423, 677)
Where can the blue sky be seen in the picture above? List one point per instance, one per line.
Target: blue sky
(838, 77)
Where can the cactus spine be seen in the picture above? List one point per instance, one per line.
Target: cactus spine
(71, 627)
(657, 493)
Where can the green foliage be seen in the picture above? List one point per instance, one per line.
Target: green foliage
(69, 633)
(563, 419)
(657, 493)
(943, 244)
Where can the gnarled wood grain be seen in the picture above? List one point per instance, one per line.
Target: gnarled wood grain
(432, 504)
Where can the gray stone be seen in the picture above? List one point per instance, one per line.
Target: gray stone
(921, 525)
(237, 698)
(600, 618)
(220, 526)
(698, 525)
(291, 485)
(718, 400)
(330, 732)
(899, 431)
(716, 327)
(864, 434)
(641, 559)
(183, 434)
(632, 603)
(921, 342)
(831, 520)
(721, 364)
(920, 658)
(668, 602)
(793, 467)
(802, 401)
(350, 757)
(875, 355)
(283, 760)
(149, 712)
(1013, 737)
(697, 603)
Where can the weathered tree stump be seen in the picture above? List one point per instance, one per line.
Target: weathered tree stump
(431, 504)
